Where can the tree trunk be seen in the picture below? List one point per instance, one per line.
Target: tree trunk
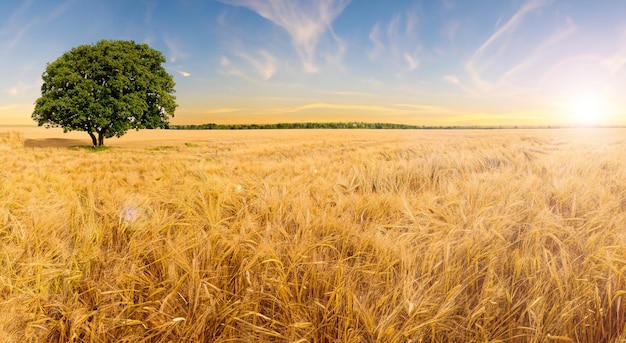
(100, 138)
(93, 138)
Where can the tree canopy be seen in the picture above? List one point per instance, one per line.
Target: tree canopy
(106, 89)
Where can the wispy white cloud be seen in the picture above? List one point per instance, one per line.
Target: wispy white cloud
(148, 39)
(336, 58)
(221, 110)
(150, 7)
(224, 61)
(511, 24)
(348, 93)
(393, 26)
(264, 63)
(19, 34)
(439, 51)
(371, 82)
(306, 21)
(616, 62)
(499, 39)
(423, 108)
(16, 18)
(22, 21)
(15, 90)
(397, 44)
(59, 10)
(450, 28)
(359, 107)
(452, 79)
(232, 69)
(411, 61)
(22, 87)
(16, 26)
(447, 4)
(183, 73)
(175, 51)
(378, 47)
(238, 73)
(542, 49)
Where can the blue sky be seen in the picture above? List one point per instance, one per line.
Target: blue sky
(430, 62)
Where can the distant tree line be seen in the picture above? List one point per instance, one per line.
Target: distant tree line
(309, 125)
(362, 125)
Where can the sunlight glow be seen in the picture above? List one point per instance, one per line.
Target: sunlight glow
(588, 110)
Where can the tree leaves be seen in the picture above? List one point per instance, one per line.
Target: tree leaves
(108, 88)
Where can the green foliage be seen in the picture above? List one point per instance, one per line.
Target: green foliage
(107, 88)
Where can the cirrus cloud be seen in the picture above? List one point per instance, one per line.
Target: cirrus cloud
(306, 21)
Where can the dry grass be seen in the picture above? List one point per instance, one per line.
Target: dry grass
(315, 236)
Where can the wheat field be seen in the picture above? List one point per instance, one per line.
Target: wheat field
(314, 236)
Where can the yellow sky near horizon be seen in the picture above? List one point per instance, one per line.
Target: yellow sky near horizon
(325, 112)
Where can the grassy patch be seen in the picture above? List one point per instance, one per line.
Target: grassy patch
(91, 148)
(162, 148)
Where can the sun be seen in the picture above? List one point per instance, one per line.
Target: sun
(587, 110)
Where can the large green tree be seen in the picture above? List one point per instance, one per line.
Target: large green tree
(106, 89)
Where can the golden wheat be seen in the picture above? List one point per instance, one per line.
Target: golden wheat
(315, 236)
